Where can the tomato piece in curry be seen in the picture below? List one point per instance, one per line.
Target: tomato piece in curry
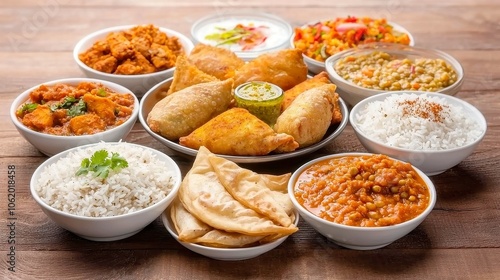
(66, 110)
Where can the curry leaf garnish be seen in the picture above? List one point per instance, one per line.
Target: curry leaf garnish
(29, 107)
(100, 163)
(78, 109)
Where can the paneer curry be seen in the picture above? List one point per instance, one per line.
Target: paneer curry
(86, 108)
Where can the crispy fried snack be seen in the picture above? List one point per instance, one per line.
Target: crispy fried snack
(291, 94)
(181, 113)
(308, 117)
(284, 68)
(238, 132)
(187, 74)
(218, 62)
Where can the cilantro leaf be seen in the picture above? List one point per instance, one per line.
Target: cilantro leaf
(100, 164)
(28, 107)
(101, 92)
(78, 109)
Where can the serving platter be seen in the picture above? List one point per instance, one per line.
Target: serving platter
(159, 91)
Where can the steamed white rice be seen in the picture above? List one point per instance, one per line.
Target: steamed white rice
(145, 181)
(396, 123)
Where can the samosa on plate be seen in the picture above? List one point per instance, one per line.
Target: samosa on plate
(309, 116)
(187, 74)
(284, 68)
(218, 62)
(179, 114)
(239, 133)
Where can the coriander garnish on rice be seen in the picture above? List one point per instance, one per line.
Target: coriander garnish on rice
(100, 163)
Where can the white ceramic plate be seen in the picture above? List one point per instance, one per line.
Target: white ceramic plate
(155, 94)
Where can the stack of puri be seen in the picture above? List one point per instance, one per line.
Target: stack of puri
(198, 109)
(223, 205)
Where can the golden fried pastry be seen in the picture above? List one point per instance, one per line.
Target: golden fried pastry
(284, 68)
(308, 117)
(187, 74)
(238, 132)
(291, 94)
(181, 113)
(218, 62)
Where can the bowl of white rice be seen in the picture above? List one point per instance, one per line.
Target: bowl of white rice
(432, 131)
(106, 191)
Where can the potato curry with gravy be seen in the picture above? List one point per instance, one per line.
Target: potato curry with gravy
(86, 108)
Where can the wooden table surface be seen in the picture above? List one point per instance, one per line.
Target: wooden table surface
(460, 239)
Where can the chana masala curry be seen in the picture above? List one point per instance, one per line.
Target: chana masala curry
(366, 191)
(86, 108)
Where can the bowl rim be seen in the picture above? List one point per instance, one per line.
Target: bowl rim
(392, 49)
(100, 34)
(176, 175)
(165, 217)
(419, 218)
(317, 63)
(382, 96)
(73, 81)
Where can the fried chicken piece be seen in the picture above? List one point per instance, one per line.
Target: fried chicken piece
(137, 64)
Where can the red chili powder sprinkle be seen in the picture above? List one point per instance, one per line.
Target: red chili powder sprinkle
(423, 108)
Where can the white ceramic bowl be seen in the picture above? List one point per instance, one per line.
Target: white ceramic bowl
(224, 254)
(356, 237)
(108, 228)
(316, 66)
(53, 144)
(431, 162)
(278, 31)
(138, 84)
(353, 94)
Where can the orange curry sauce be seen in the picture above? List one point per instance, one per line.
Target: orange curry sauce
(86, 108)
(367, 191)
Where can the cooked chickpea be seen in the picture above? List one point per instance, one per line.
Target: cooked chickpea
(379, 70)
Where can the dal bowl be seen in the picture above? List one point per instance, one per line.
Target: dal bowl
(361, 219)
(403, 68)
(51, 144)
(113, 208)
(432, 131)
(224, 254)
(137, 83)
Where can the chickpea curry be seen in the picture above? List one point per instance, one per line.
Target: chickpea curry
(84, 109)
(366, 191)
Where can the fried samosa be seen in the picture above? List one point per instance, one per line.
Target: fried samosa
(284, 68)
(291, 94)
(204, 196)
(309, 116)
(218, 62)
(187, 74)
(237, 132)
(181, 113)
